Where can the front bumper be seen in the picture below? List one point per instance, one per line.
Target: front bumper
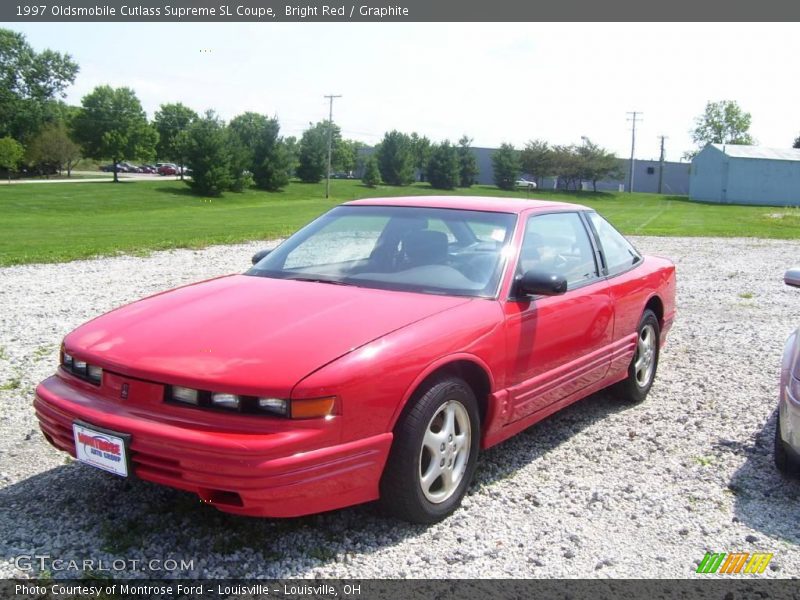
(284, 473)
(789, 410)
(789, 404)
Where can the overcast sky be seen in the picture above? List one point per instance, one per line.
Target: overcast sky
(495, 82)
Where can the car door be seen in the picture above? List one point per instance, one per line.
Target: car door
(557, 345)
(625, 287)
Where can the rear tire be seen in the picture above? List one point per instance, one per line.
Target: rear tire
(642, 370)
(434, 453)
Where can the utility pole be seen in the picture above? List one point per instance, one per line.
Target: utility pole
(634, 115)
(330, 144)
(661, 165)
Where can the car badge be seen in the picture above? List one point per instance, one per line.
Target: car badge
(124, 391)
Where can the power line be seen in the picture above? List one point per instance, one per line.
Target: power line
(330, 143)
(634, 116)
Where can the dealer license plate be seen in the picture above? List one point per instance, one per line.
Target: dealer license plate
(101, 448)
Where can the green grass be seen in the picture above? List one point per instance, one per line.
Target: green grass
(56, 223)
(11, 384)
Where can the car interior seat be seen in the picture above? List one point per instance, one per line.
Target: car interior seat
(423, 247)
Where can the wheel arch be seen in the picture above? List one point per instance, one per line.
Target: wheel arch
(655, 304)
(468, 367)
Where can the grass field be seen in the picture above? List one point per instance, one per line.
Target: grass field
(61, 222)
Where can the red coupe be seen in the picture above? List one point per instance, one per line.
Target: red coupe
(369, 356)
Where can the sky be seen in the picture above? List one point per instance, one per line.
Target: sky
(499, 82)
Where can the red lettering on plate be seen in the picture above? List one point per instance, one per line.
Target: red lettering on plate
(102, 445)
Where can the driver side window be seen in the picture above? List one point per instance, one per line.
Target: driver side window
(558, 243)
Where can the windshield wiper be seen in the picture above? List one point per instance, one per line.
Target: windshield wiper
(319, 280)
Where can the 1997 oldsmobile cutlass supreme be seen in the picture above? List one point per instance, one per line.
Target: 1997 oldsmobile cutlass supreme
(369, 356)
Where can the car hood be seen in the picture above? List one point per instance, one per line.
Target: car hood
(246, 334)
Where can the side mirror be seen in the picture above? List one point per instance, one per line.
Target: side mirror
(792, 277)
(259, 255)
(537, 283)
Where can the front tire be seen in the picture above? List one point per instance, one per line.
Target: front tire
(434, 453)
(785, 461)
(642, 370)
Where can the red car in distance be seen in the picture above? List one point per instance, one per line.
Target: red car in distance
(168, 169)
(369, 356)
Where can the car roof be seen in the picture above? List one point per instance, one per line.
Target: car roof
(482, 203)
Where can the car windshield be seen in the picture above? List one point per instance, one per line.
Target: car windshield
(415, 249)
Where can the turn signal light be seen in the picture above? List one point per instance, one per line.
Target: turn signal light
(313, 408)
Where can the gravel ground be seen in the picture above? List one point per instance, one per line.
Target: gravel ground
(598, 490)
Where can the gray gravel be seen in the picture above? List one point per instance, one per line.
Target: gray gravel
(598, 490)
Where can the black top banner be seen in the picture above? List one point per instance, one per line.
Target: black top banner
(397, 10)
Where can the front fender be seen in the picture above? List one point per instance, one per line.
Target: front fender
(375, 382)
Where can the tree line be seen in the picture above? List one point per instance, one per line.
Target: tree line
(42, 133)
(569, 164)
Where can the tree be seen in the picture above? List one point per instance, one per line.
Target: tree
(722, 122)
(274, 165)
(796, 142)
(396, 158)
(421, 150)
(596, 163)
(11, 152)
(443, 167)
(372, 175)
(536, 159)
(346, 154)
(506, 166)
(112, 124)
(292, 148)
(30, 85)
(208, 153)
(567, 166)
(52, 146)
(467, 163)
(312, 160)
(246, 130)
(257, 148)
(171, 121)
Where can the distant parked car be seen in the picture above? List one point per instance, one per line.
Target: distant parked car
(168, 169)
(787, 425)
(129, 167)
(525, 184)
(148, 169)
(110, 168)
(342, 175)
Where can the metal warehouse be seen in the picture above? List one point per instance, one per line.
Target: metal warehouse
(733, 174)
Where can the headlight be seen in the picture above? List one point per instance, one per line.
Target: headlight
(277, 406)
(794, 387)
(225, 401)
(281, 407)
(184, 394)
(95, 373)
(81, 369)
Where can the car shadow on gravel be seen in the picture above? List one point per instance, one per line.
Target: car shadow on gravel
(764, 499)
(76, 512)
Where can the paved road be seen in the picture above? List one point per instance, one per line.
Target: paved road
(96, 176)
